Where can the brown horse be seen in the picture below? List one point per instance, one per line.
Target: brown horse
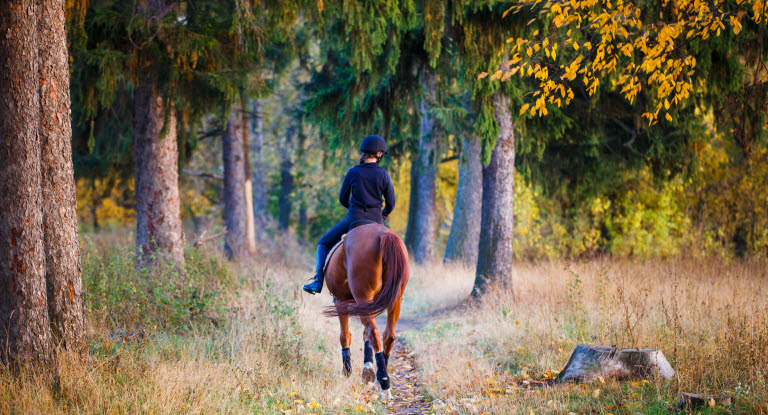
(366, 275)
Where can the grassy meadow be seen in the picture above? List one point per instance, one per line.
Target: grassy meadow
(242, 338)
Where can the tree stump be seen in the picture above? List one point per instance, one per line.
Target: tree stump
(690, 401)
(591, 361)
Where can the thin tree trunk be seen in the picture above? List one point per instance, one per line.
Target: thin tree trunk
(250, 219)
(25, 331)
(425, 215)
(156, 175)
(286, 181)
(235, 216)
(467, 212)
(494, 261)
(410, 230)
(259, 173)
(62, 245)
(302, 184)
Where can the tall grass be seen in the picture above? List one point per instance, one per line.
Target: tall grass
(710, 319)
(221, 338)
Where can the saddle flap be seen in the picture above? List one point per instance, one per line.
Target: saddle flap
(330, 253)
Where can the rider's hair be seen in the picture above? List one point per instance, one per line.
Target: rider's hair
(364, 155)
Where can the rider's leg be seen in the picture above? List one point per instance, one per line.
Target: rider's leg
(326, 243)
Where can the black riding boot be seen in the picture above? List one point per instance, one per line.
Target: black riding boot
(316, 285)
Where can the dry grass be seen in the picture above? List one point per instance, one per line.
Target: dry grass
(272, 352)
(710, 319)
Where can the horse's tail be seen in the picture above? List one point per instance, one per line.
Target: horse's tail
(394, 276)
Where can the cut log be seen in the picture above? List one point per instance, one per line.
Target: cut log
(689, 401)
(590, 361)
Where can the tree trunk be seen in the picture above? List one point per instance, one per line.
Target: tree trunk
(286, 181)
(495, 254)
(25, 331)
(235, 207)
(425, 215)
(62, 245)
(410, 230)
(250, 218)
(156, 175)
(259, 172)
(465, 229)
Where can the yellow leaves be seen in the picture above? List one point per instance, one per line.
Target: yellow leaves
(482, 75)
(736, 23)
(668, 117)
(645, 53)
(524, 108)
(496, 75)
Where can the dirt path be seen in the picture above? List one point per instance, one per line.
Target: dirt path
(407, 388)
(407, 392)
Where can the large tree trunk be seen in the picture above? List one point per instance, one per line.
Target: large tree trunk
(62, 245)
(425, 219)
(249, 213)
(465, 229)
(286, 181)
(494, 261)
(235, 207)
(259, 172)
(25, 331)
(156, 175)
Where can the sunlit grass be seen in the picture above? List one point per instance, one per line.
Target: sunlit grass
(710, 320)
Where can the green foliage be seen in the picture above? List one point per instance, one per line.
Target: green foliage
(127, 299)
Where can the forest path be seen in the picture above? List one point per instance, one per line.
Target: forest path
(408, 397)
(407, 393)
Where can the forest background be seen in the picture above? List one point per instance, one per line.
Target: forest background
(592, 178)
(590, 171)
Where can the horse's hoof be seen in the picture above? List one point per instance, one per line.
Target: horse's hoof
(369, 374)
(385, 395)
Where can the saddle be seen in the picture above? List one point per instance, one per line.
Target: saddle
(353, 225)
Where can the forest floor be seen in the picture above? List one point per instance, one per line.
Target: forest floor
(243, 338)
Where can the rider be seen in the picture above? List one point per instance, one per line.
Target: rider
(361, 194)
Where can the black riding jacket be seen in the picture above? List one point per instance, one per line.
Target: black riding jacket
(364, 186)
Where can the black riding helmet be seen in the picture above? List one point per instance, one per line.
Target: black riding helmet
(373, 144)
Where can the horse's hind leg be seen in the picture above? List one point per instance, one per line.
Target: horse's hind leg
(389, 333)
(346, 340)
(369, 372)
(372, 335)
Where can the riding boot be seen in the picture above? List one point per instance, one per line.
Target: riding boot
(316, 285)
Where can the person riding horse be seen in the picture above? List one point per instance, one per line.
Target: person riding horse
(361, 193)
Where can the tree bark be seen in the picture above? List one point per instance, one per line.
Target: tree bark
(410, 230)
(495, 254)
(425, 215)
(25, 330)
(465, 229)
(235, 206)
(286, 181)
(259, 173)
(156, 175)
(62, 245)
(249, 214)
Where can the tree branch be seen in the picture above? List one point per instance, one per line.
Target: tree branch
(205, 175)
(203, 239)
